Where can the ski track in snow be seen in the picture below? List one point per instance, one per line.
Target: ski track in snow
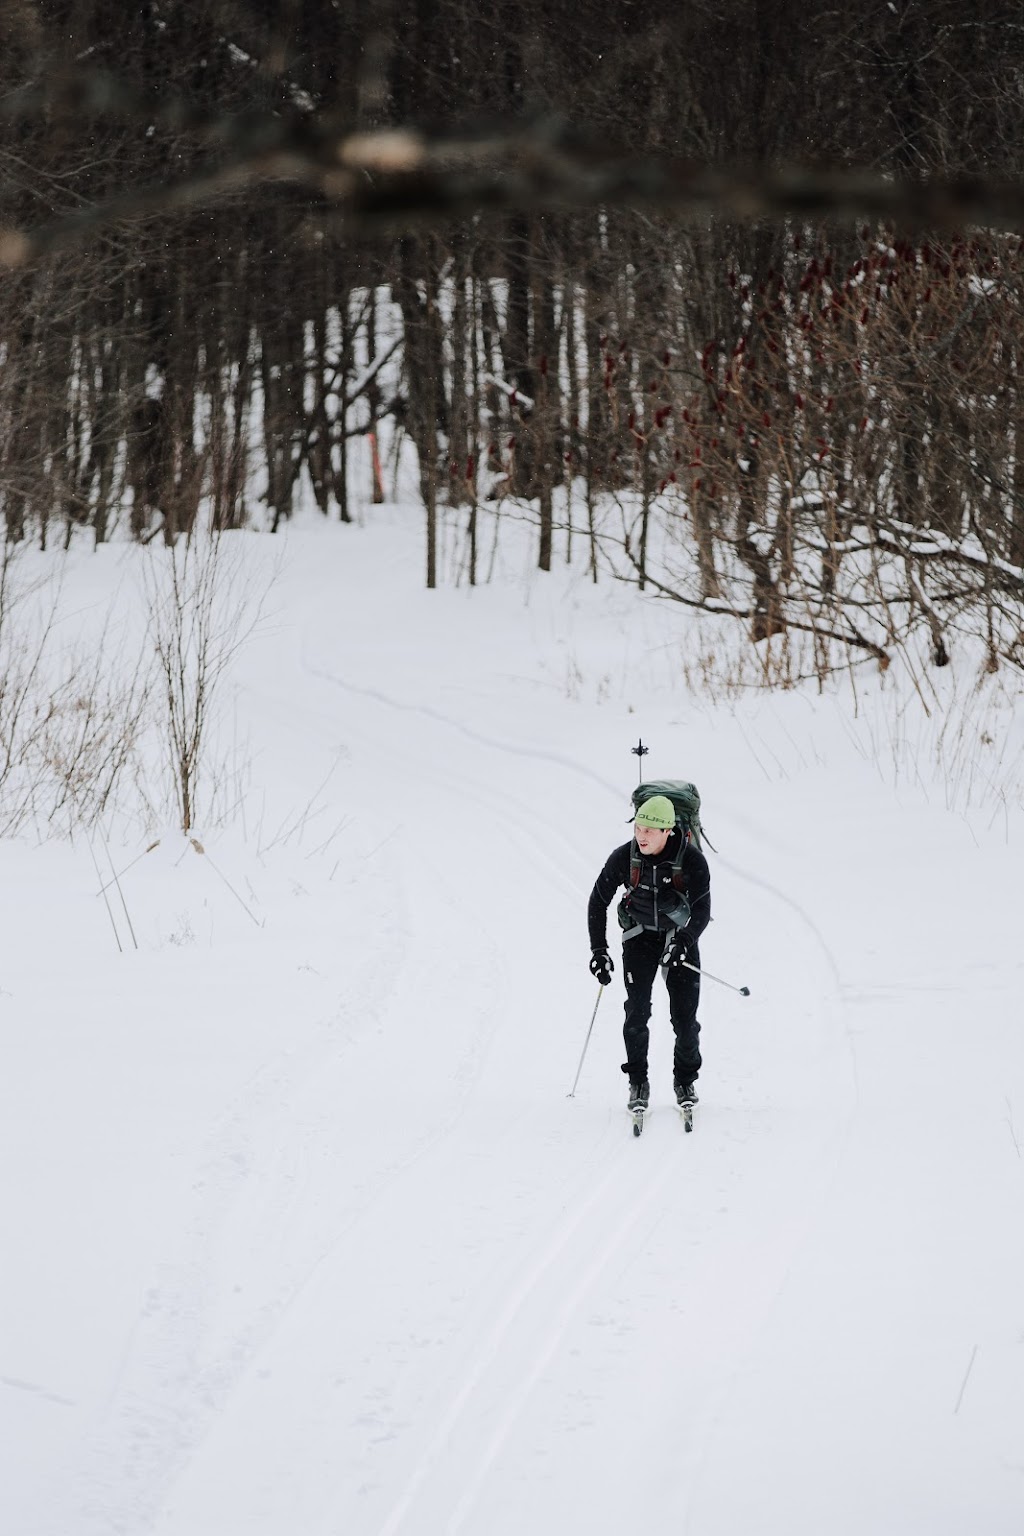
(603, 1247)
(571, 1250)
(167, 1413)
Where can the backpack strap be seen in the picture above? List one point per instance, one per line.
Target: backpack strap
(685, 839)
(677, 862)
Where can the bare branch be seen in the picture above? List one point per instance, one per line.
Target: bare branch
(401, 177)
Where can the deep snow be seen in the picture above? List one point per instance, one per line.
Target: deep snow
(302, 1233)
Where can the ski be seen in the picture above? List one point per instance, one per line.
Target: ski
(638, 1120)
(686, 1110)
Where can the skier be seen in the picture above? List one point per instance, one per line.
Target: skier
(666, 908)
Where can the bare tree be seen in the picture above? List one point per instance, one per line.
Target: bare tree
(202, 610)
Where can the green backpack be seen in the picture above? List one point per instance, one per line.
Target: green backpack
(686, 799)
(684, 796)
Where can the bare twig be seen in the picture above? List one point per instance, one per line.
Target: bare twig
(106, 903)
(197, 845)
(120, 892)
(400, 177)
(963, 1384)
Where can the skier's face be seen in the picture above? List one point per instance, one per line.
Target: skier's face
(650, 840)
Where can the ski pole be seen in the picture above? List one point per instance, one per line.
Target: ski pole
(572, 1091)
(743, 991)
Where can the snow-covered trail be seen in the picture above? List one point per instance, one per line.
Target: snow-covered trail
(395, 1281)
(494, 1300)
(572, 1289)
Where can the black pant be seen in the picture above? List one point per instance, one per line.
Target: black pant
(640, 957)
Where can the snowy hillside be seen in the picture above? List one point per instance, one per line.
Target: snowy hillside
(302, 1234)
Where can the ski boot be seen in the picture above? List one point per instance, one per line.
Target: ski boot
(686, 1098)
(639, 1098)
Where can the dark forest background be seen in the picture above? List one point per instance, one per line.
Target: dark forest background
(810, 425)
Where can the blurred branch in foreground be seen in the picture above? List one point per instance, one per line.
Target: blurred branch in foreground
(398, 178)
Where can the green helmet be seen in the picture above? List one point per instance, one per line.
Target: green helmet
(658, 812)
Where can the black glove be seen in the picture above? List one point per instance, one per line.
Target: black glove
(601, 966)
(675, 954)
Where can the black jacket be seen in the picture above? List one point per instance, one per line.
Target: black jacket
(655, 878)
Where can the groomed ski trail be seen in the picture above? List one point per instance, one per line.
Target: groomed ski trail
(472, 1265)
